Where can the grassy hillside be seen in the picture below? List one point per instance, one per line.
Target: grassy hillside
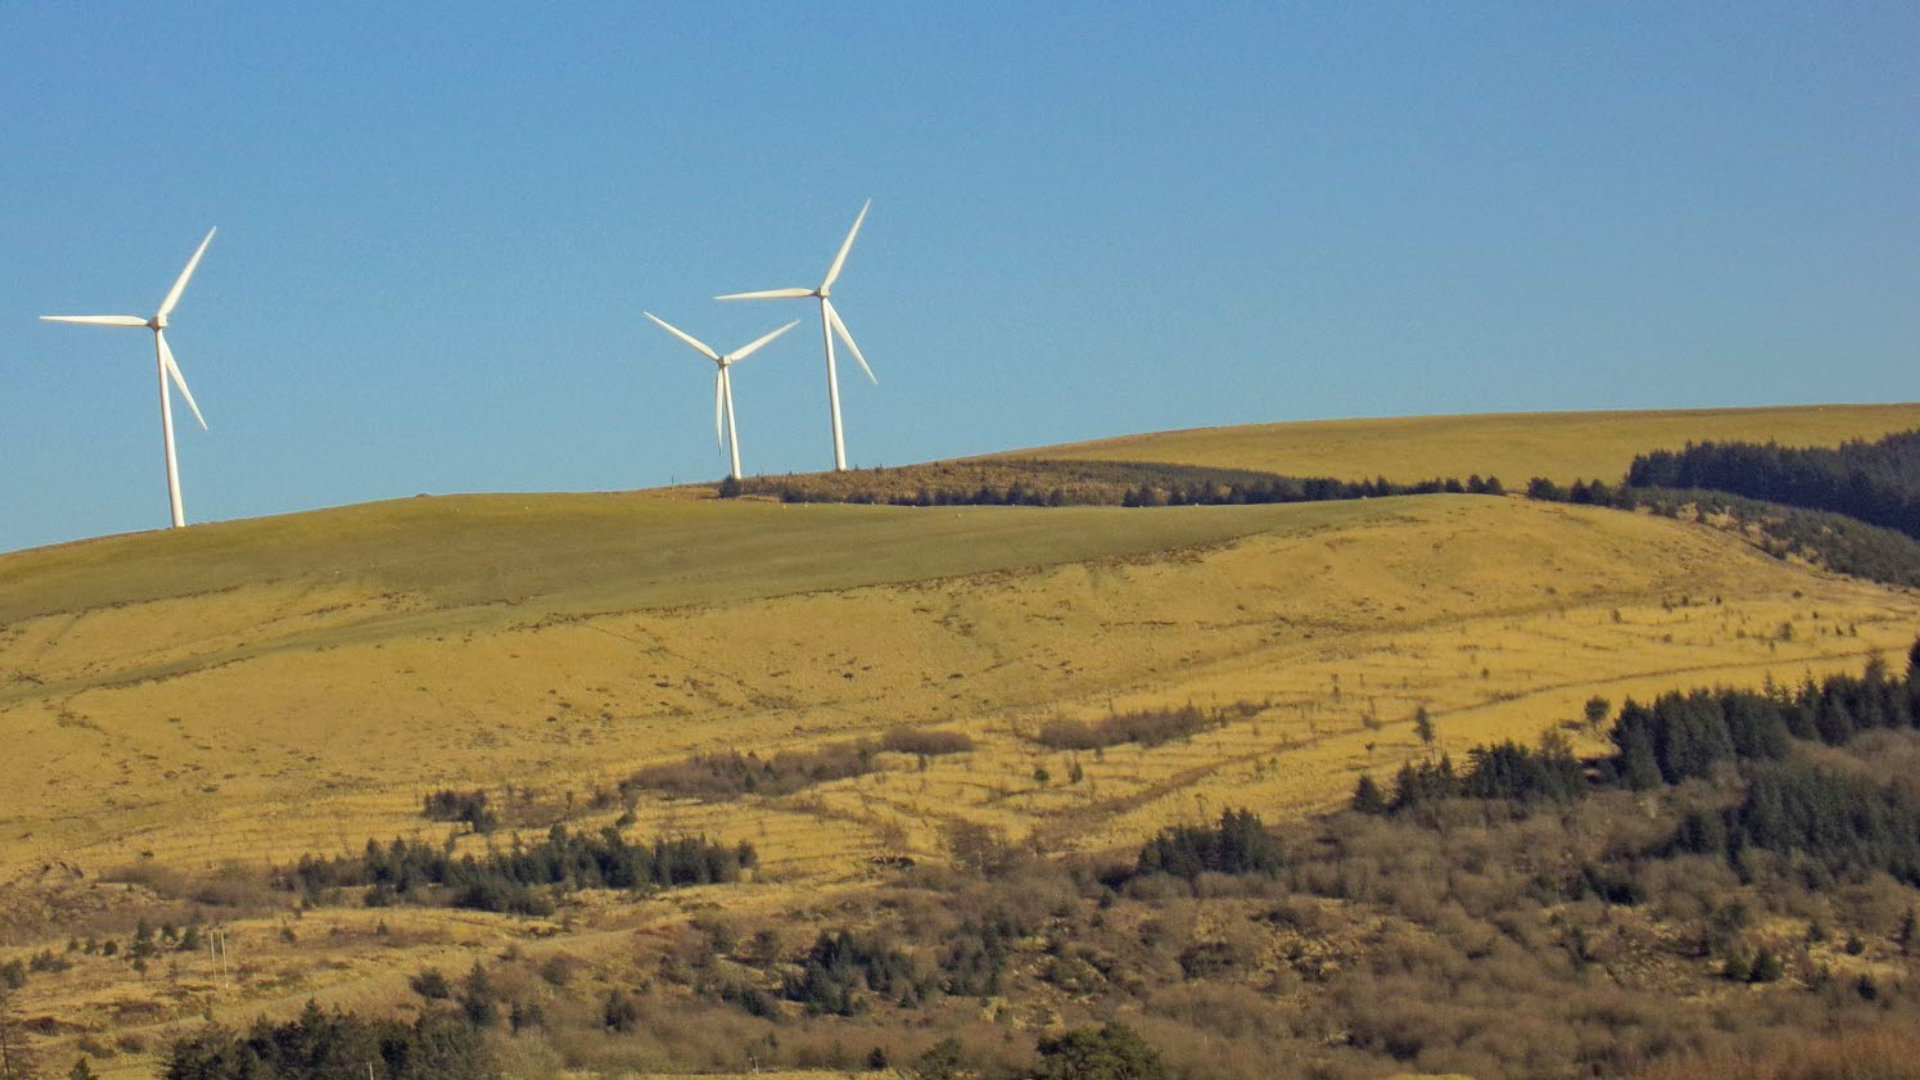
(254, 691)
(1513, 446)
(275, 700)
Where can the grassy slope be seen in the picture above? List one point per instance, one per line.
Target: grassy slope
(1513, 446)
(308, 710)
(265, 688)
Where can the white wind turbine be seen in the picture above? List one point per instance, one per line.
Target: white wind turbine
(164, 360)
(723, 380)
(830, 324)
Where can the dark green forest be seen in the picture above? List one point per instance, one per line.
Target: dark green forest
(1875, 482)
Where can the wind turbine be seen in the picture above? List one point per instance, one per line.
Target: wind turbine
(167, 366)
(830, 324)
(723, 380)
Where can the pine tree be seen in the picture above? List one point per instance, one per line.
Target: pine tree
(1367, 796)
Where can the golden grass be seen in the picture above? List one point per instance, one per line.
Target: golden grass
(173, 727)
(258, 690)
(1513, 446)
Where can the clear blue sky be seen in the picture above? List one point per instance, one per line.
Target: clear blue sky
(439, 225)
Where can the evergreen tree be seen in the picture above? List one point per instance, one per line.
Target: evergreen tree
(1367, 796)
(477, 998)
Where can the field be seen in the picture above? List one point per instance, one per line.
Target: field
(1562, 447)
(179, 705)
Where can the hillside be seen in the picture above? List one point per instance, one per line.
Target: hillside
(269, 677)
(1562, 447)
(181, 707)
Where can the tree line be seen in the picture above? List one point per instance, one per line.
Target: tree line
(1876, 482)
(1203, 492)
(1675, 738)
(1843, 544)
(732, 773)
(521, 879)
(320, 1045)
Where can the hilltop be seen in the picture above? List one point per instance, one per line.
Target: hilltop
(1561, 447)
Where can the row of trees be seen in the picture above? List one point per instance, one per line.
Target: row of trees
(1171, 491)
(1875, 482)
(1239, 844)
(1839, 824)
(1291, 489)
(732, 773)
(522, 878)
(1681, 736)
(1144, 727)
(1507, 772)
(335, 1045)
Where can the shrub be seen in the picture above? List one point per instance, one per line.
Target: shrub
(1113, 1052)
(732, 774)
(468, 806)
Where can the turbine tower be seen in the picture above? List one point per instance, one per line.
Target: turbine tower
(830, 324)
(723, 380)
(163, 357)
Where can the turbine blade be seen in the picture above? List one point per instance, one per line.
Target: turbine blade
(839, 327)
(704, 349)
(745, 351)
(98, 320)
(180, 286)
(179, 380)
(719, 386)
(840, 260)
(768, 294)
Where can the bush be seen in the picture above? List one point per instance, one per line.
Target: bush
(732, 774)
(431, 985)
(1149, 727)
(467, 806)
(1113, 1052)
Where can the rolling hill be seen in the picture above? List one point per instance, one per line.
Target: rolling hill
(1562, 447)
(255, 691)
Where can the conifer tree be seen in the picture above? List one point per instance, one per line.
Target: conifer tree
(1367, 796)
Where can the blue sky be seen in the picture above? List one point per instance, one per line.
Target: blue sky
(439, 226)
